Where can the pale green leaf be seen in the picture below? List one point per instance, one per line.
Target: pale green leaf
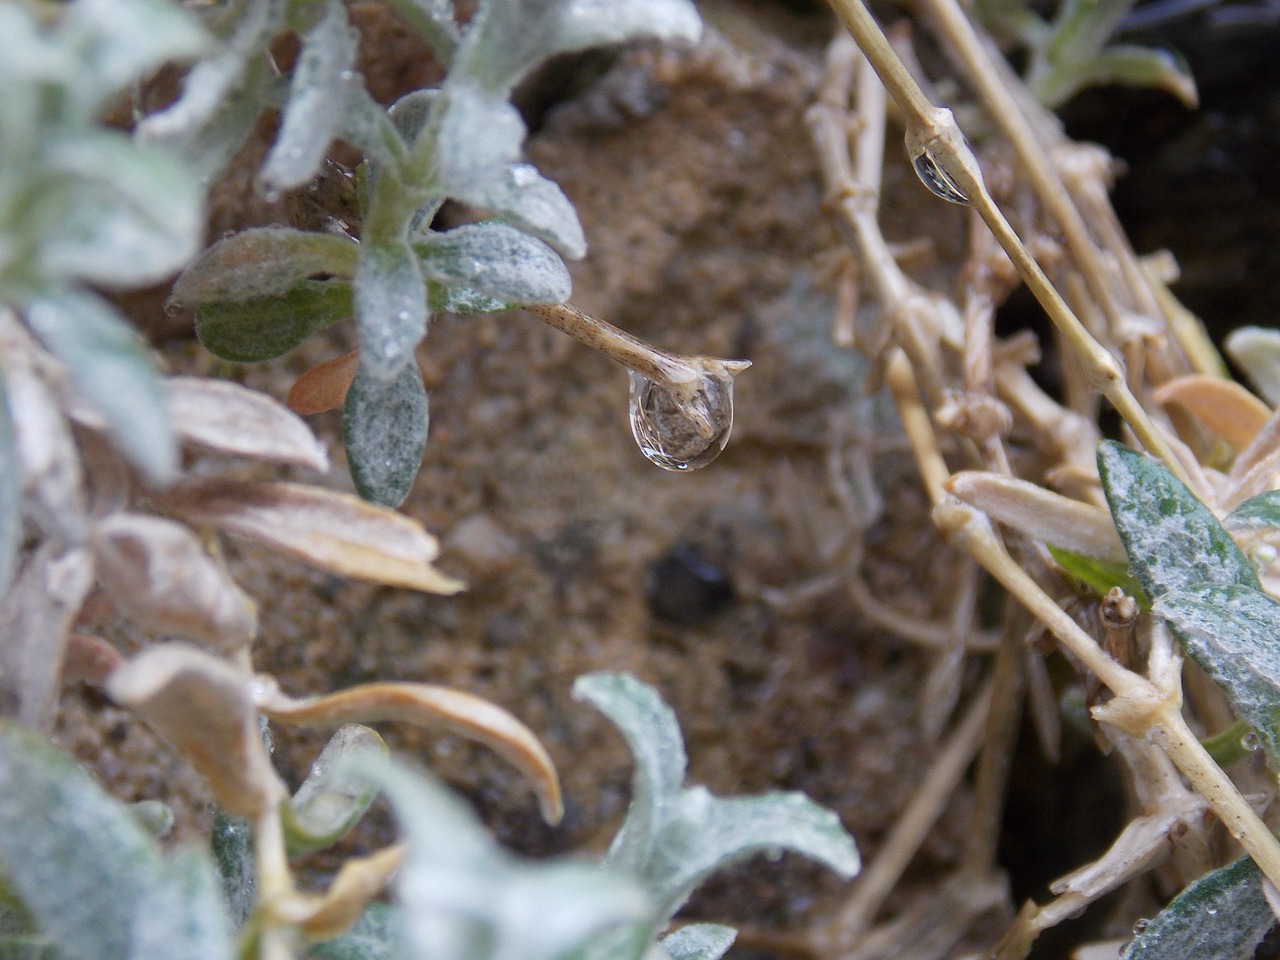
(20, 947)
(185, 917)
(411, 113)
(1257, 513)
(263, 262)
(366, 125)
(1257, 351)
(448, 299)
(1231, 631)
(384, 429)
(332, 799)
(110, 366)
(1100, 574)
(699, 941)
(390, 306)
(1222, 916)
(10, 493)
(232, 845)
(477, 137)
(1173, 540)
(496, 260)
(375, 936)
(267, 327)
(525, 199)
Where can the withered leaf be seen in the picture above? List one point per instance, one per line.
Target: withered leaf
(1221, 406)
(201, 704)
(357, 883)
(431, 706)
(225, 417)
(324, 386)
(158, 573)
(330, 530)
(89, 659)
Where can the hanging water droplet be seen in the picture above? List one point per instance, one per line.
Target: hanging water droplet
(936, 179)
(1251, 741)
(682, 426)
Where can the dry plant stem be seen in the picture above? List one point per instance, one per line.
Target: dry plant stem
(915, 423)
(933, 132)
(1141, 708)
(630, 351)
(910, 829)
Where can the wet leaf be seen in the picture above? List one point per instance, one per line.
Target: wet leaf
(1101, 575)
(673, 838)
(375, 936)
(1039, 513)
(263, 262)
(429, 706)
(391, 308)
(496, 260)
(324, 387)
(464, 898)
(527, 200)
(317, 101)
(324, 528)
(1257, 351)
(110, 366)
(1230, 631)
(699, 941)
(1222, 407)
(1222, 916)
(91, 878)
(225, 417)
(200, 703)
(260, 329)
(159, 574)
(35, 620)
(332, 799)
(1173, 540)
(384, 429)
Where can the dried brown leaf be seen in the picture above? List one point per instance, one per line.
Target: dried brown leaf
(158, 573)
(324, 386)
(89, 659)
(52, 479)
(431, 706)
(201, 704)
(225, 417)
(1222, 407)
(35, 620)
(357, 883)
(1040, 514)
(330, 530)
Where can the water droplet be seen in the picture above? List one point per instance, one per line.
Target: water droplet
(1140, 927)
(936, 179)
(1212, 911)
(524, 174)
(1251, 741)
(682, 427)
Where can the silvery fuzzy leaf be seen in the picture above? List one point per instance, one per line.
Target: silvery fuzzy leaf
(390, 306)
(464, 898)
(411, 113)
(91, 878)
(262, 328)
(448, 299)
(231, 843)
(201, 704)
(316, 104)
(334, 531)
(332, 798)
(225, 417)
(477, 136)
(365, 125)
(699, 941)
(495, 260)
(35, 620)
(507, 40)
(32, 55)
(384, 429)
(525, 199)
(132, 214)
(159, 574)
(376, 936)
(263, 262)
(110, 367)
(10, 492)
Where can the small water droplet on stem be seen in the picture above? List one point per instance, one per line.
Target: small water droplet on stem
(937, 179)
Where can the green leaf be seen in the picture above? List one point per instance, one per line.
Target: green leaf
(1100, 574)
(375, 936)
(477, 137)
(10, 493)
(1257, 352)
(110, 366)
(496, 260)
(1230, 631)
(255, 330)
(391, 308)
(92, 879)
(384, 429)
(232, 845)
(1222, 916)
(464, 898)
(26, 948)
(699, 941)
(263, 262)
(1173, 540)
(332, 799)
(673, 838)
(444, 299)
(366, 126)
(524, 198)
(317, 101)
(1257, 513)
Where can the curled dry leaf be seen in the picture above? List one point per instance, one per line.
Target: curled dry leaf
(431, 706)
(324, 386)
(1040, 514)
(89, 659)
(1222, 407)
(159, 574)
(35, 620)
(357, 883)
(228, 418)
(330, 530)
(201, 704)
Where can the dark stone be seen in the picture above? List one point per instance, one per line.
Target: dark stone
(686, 588)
